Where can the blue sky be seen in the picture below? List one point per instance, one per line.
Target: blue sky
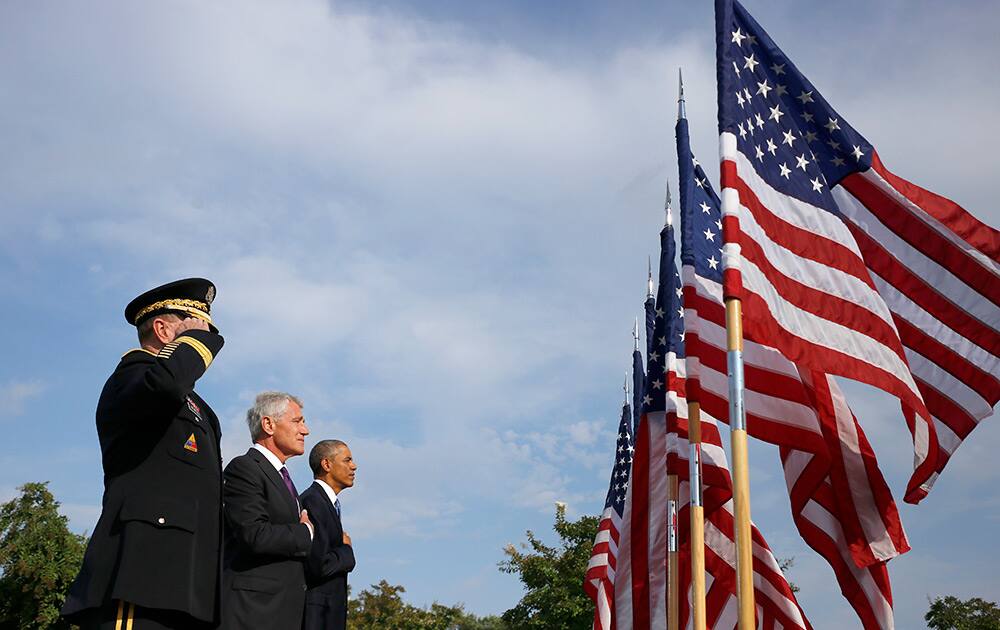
(431, 220)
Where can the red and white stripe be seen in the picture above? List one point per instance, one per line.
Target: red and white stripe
(775, 601)
(786, 408)
(599, 583)
(641, 578)
(815, 512)
(807, 416)
(938, 269)
(806, 288)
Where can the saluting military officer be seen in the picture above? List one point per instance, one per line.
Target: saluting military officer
(154, 558)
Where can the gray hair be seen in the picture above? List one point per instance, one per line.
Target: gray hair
(145, 329)
(322, 450)
(271, 405)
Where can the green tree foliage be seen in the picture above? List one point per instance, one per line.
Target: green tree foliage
(382, 606)
(39, 558)
(785, 564)
(553, 577)
(952, 613)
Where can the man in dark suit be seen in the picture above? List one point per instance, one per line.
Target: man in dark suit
(153, 559)
(267, 534)
(331, 557)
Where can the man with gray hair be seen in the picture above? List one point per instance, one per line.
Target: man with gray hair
(268, 535)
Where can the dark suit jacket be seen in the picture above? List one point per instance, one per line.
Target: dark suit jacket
(328, 564)
(264, 576)
(158, 540)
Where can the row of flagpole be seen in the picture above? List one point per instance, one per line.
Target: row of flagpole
(740, 472)
(847, 270)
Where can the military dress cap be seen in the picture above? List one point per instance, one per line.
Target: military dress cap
(191, 297)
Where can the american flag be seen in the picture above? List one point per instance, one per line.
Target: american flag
(640, 590)
(857, 523)
(599, 582)
(848, 268)
(641, 595)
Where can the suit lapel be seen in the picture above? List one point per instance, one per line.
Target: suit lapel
(275, 479)
(330, 507)
(338, 525)
(325, 498)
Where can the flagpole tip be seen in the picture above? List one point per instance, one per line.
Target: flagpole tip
(669, 220)
(649, 278)
(681, 109)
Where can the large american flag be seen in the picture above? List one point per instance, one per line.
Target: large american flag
(840, 502)
(846, 267)
(599, 582)
(661, 447)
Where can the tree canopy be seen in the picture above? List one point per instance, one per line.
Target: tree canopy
(382, 606)
(39, 558)
(952, 613)
(554, 598)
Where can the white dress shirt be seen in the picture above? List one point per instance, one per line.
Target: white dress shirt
(329, 492)
(271, 457)
(274, 461)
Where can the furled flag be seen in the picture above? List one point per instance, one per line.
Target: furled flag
(638, 379)
(599, 582)
(641, 586)
(848, 268)
(819, 438)
(649, 306)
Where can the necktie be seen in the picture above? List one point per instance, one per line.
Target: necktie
(289, 484)
(336, 506)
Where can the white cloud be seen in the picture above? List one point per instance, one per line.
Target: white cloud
(586, 433)
(15, 395)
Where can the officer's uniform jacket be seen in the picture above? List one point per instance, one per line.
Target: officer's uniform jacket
(158, 541)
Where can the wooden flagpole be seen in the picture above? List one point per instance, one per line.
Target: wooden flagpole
(697, 520)
(741, 475)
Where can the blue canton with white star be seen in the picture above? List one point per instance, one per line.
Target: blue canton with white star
(795, 140)
(620, 472)
(668, 326)
(701, 215)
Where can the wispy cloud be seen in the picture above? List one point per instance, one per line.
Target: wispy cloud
(15, 395)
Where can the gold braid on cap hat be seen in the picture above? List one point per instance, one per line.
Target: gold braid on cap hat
(192, 307)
